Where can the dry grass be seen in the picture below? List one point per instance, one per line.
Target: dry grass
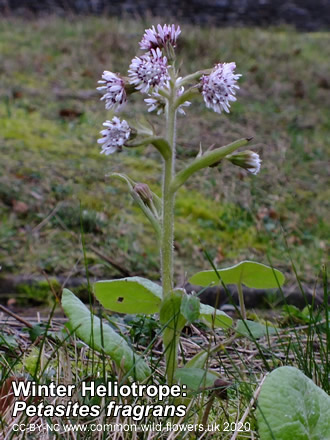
(241, 363)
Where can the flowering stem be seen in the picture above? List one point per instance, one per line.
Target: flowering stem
(170, 334)
(168, 200)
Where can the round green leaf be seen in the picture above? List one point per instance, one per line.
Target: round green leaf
(214, 318)
(129, 295)
(292, 407)
(257, 330)
(249, 273)
(195, 378)
(198, 361)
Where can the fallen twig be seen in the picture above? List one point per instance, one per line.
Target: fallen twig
(18, 318)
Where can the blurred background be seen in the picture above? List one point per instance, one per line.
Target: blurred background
(53, 181)
(304, 14)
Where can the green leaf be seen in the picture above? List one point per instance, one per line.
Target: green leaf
(195, 378)
(160, 143)
(88, 328)
(214, 318)
(170, 311)
(37, 330)
(257, 329)
(129, 295)
(249, 273)
(291, 406)
(198, 361)
(127, 179)
(173, 322)
(190, 307)
(8, 341)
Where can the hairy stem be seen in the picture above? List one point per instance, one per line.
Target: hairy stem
(194, 76)
(170, 335)
(168, 201)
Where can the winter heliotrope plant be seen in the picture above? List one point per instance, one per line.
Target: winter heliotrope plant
(154, 74)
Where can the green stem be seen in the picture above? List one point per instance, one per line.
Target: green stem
(170, 336)
(167, 232)
(194, 76)
(168, 201)
(241, 300)
(191, 93)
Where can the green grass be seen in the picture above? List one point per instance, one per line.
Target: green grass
(52, 162)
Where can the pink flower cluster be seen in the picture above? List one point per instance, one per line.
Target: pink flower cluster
(114, 136)
(114, 90)
(149, 70)
(218, 88)
(150, 73)
(161, 37)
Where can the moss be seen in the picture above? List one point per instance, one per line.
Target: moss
(39, 292)
(194, 206)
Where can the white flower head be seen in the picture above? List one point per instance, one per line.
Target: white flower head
(149, 70)
(246, 159)
(113, 89)
(164, 35)
(114, 136)
(218, 88)
(156, 102)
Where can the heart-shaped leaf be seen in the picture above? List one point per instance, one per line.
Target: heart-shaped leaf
(291, 406)
(214, 318)
(198, 361)
(195, 378)
(129, 295)
(88, 328)
(257, 330)
(249, 273)
(8, 341)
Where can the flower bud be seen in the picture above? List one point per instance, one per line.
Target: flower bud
(144, 192)
(160, 37)
(246, 159)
